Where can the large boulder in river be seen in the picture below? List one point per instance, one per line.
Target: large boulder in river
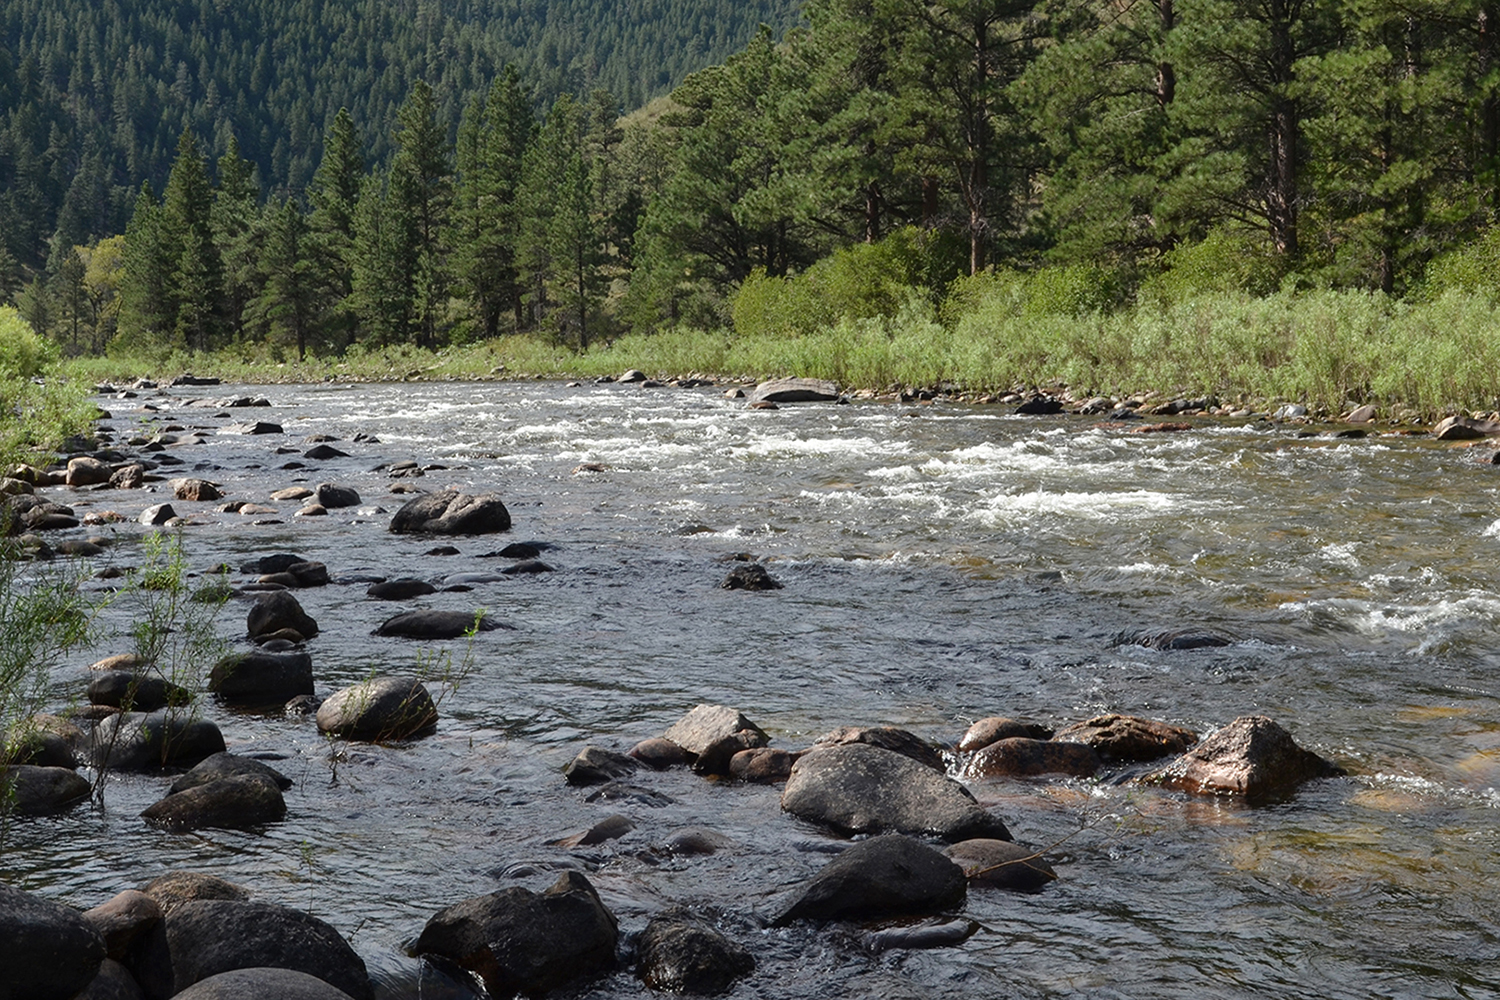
(29, 790)
(137, 741)
(452, 513)
(858, 788)
(47, 951)
(890, 876)
(203, 938)
(1460, 428)
(1019, 757)
(131, 690)
(1002, 864)
(276, 611)
(900, 741)
(713, 734)
(519, 941)
(262, 984)
(233, 802)
(679, 954)
(794, 390)
(1127, 737)
(262, 677)
(1251, 757)
(381, 708)
(430, 624)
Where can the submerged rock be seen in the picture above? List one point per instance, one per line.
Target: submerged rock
(1002, 864)
(428, 624)
(677, 953)
(886, 876)
(1250, 757)
(857, 788)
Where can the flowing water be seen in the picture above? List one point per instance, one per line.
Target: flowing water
(941, 563)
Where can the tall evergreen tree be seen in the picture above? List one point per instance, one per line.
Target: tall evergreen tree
(422, 177)
(288, 296)
(334, 194)
(235, 234)
(197, 278)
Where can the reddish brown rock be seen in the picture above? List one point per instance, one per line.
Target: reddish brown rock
(1126, 737)
(762, 765)
(1250, 757)
(1022, 758)
(997, 727)
(122, 919)
(1001, 864)
(660, 753)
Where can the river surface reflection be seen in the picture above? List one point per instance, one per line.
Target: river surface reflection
(941, 564)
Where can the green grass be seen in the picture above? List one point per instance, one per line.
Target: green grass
(1326, 349)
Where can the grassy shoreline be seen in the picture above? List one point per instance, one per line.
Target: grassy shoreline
(1329, 351)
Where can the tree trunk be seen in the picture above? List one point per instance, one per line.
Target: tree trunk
(1166, 76)
(978, 181)
(1489, 106)
(873, 211)
(1284, 128)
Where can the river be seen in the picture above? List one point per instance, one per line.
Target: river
(941, 563)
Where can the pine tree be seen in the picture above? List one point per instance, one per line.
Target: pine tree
(334, 193)
(235, 234)
(288, 297)
(422, 181)
(196, 280)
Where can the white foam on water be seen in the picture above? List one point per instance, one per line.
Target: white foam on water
(1372, 618)
(1493, 531)
(1015, 509)
(783, 446)
(1341, 554)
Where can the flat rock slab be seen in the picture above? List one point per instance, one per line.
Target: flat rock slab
(519, 941)
(47, 951)
(794, 390)
(1251, 757)
(858, 788)
(888, 876)
(452, 513)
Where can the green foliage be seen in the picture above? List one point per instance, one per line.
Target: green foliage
(36, 409)
(1227, 260)
(1473, 268)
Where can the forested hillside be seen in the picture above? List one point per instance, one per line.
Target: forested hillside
(94, 95)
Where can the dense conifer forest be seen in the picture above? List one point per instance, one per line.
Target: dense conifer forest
(284, 179)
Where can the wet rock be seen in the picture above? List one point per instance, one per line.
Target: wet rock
(228, 765)
(595, 766)
(1251, 757)
(195, 490)
(262, 984)
(401, 589)
(752, 576)
(128, 690)
(998, 727)
(171, 890)
(762, 765)
(128, 477)
(30, 790)
(623, 791)
(452, 513)
(1039, 406)
(660, 753)
(47, 951)
(518, 941)
(1126, 737)
(235, 802)
(1459, 428)
(136, 741)
(79, 547)
(1001, 864)
(45, 741)
(886, 738)
(292, 493)
(278, 563)
(323, 452)
(888, 876)
(713, 734)
(609, 828)
(262, 677)
(695, 840)
(122, 919)
(526, 567)
(252, 427)
(520, 550)
(276, 611)
(1172, 639)
(157, 515)
(794, 390)
(679, 954)
(1019, 757)
(311, 510)
(633, 375)
(429, 624)
(928, 934)
(334, 496)
(382, 708)
(203, 938)
(85, 471)
(309, 573)
(112, 982)
(857, 788)
(303, 704)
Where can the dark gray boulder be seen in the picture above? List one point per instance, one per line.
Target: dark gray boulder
(519, 941)
(234, 802)
(381, 708)
(228, 765)
(858, 788)
(308, 573)
(334, 496)
(136, 741)
(203, 938)
(890, 738)
(262, 677)
(677, 953)
(140, 692)
(889, 876)
(1251, 757)
(401, 589)
(262, 984)
(751, 576)
(1170, 640)
(1002, 864)
(323, 452)
(794, 390)
(429, 624)
(276, 611)
(278, 563)
(713, 734)
(112, 982)
(452, 513)
(29, 790)
(47, 951)
(596, 766)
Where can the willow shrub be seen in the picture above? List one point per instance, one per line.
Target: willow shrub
(37, 411)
